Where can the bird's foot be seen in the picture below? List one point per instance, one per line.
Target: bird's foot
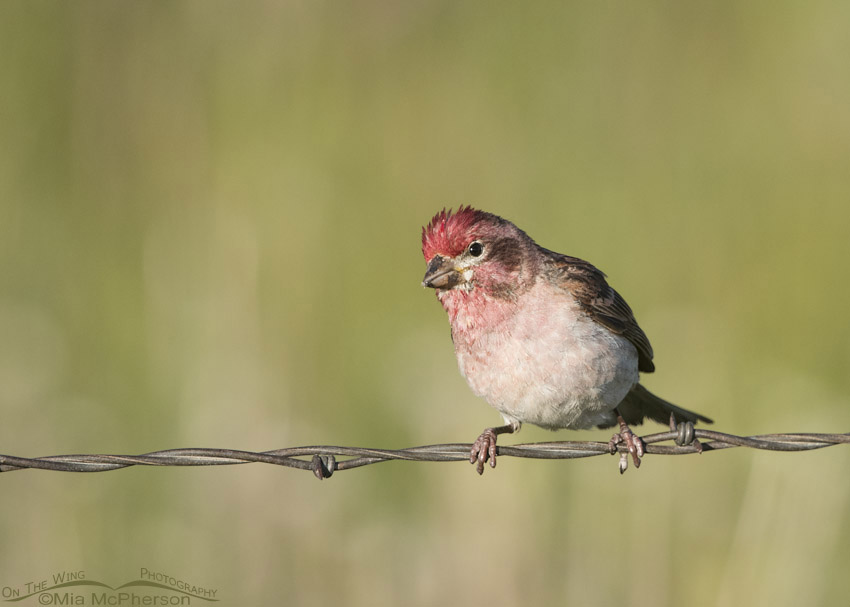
(484, 447)
(685, 434)
(631, 440)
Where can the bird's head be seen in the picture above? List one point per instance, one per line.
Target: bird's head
(472, 249)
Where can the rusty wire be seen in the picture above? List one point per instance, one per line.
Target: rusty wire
(323, 460)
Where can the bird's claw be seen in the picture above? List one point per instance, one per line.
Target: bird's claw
(484, 448)
(624, 462)
(634, 444)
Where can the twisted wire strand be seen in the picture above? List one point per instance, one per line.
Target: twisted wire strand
(323, 459)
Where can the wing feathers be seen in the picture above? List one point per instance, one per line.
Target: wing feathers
(601, 302)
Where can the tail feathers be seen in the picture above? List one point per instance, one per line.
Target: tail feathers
(640, 403)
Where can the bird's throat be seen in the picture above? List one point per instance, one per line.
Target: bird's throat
(473, 311)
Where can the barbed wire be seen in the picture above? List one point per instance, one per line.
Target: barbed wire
(323, 460)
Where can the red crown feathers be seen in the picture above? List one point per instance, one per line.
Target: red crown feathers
(448, 233)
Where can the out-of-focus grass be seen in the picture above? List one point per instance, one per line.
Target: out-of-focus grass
(209, 224)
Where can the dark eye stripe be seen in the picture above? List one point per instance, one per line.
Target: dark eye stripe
(506, 252)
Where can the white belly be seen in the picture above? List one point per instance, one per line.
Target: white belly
(549, 365)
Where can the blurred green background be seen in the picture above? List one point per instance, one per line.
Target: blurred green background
(209, 236)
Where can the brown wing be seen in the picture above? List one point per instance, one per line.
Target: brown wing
(601, 302)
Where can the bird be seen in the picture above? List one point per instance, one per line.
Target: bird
(539, 335)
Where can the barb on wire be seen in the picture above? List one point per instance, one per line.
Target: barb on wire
(323, 460)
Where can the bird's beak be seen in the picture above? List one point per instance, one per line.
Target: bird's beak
(441, 274)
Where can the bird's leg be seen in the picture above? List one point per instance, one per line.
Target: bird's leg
(686, 433)
(484, 447)
(633, 442)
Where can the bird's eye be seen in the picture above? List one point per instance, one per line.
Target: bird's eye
(476, 249)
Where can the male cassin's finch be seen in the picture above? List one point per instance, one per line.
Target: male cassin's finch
(539, 335)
